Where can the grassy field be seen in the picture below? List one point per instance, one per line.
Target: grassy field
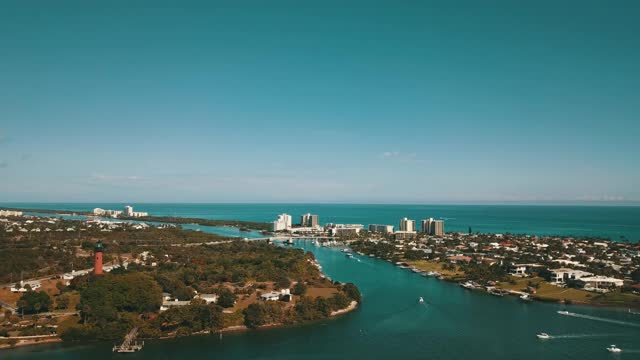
(425, 265)
(548, 292)
(320, 291)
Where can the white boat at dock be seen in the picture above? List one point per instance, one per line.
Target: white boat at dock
(526, 297)
(470, 285)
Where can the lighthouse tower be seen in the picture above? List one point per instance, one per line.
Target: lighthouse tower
(97, 263)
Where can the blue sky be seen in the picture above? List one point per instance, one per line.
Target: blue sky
(332, 101)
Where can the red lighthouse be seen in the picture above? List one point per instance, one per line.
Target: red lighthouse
(97, 264)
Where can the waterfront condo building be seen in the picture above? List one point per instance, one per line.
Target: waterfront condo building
(407, 225)
(433, 227)
(426, 225)
(308, 220)
(438, 228)
(385, 229)
(128, 211)
(283, 223)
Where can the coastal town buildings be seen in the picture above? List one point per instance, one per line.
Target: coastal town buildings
(282, 223)
(10, 213)
(127, 212)
(343, 229)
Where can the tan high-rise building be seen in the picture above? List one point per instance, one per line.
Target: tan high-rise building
(433, 227)
(308, 220)
(426, 225)
(437, 228)
(407, 225)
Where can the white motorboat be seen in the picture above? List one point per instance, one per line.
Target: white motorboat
(563, 312)
(614, 349)
(468, 285)
(525, 297)
(543, 336)
(421, 300)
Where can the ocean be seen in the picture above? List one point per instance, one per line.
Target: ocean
(613, 222)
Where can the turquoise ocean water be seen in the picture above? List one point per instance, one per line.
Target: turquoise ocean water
(602, 221)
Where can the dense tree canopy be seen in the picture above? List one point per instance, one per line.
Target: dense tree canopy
(34, 302)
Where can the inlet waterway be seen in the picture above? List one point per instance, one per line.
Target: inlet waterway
(454, 323)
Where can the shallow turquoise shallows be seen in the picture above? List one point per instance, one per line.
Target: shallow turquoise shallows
(391, 324)
(603, 221)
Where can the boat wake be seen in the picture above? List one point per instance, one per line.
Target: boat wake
(582, 336)
(596, 318)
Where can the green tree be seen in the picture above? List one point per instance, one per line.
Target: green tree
(62, 301)
(300, 288)
(226, 298)
(283, 282)
(33, 302)
(352, 292)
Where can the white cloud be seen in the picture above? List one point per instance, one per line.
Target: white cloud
(401, 157)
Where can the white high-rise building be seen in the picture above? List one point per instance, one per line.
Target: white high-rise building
(283, 222)
(407, 225)
(128, 210)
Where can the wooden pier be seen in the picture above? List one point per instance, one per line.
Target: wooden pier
(128, 345)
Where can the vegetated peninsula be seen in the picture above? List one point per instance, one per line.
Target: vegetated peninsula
(162, 280)
(254, 225)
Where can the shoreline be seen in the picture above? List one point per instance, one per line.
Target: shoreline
(29, 342)
(540, 298)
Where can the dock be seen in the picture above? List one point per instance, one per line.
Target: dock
(128, 345)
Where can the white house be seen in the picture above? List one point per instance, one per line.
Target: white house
(167, 304)
(270, 296)
(523, 270)
(22, 286)
(208, 298)
(560, 276)
(600, 283)
(274, 295)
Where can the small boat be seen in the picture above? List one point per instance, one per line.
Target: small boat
(544, 336)
(563, 312)
(525, 297)
(614, 349)
(421, 300)
(349, 255)
(345, 250)
(468, 285)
